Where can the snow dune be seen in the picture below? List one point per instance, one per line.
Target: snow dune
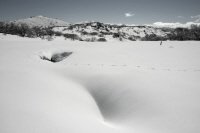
(111, 87)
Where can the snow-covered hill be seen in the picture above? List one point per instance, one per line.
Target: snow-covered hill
(98, 30)
(40, 26)
(40, 21)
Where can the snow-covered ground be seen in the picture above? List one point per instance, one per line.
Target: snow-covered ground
(102, 87)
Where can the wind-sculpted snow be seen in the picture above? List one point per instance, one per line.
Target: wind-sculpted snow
(121, 87)
(116, 100)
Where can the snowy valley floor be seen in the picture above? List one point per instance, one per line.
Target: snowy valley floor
(111, 87)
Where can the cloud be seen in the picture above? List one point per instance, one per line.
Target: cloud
(197, 18)
(175, 25)
(195, 21)
(181, 17)
(129, 14)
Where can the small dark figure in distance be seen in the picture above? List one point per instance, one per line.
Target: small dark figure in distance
(161, 43)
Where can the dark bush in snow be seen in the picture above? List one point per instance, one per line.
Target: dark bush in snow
(57, 57)
(101, 35)
(153, 37)
(70, 27)
(71, 36)
(131, 38)
(93, 33)
(101, 40)
(58, 33)
(182, 34)
(60, 56)
(106, 33)
(93, 39)
(84, 33)
(116, 35)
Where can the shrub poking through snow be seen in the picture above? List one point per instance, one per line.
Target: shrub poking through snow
(60, 56)
(71, 36)
(131, 38)
(57, 57)
(101, 40)
(93, 39)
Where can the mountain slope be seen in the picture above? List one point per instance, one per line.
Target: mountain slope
(40, 21)
(42, 27)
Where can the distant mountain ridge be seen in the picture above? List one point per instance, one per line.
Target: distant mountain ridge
(40, 21)
(44, 27)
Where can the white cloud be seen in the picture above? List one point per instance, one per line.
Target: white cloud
(129, 14)
(195, 21)
(197, 18)
(181, 17)
(175, 25)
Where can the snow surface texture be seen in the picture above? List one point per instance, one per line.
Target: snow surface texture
(119, 87)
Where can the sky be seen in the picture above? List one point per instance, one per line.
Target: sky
(107, 11)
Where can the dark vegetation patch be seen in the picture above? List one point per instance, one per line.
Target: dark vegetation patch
(57, 57)
(101, 40)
